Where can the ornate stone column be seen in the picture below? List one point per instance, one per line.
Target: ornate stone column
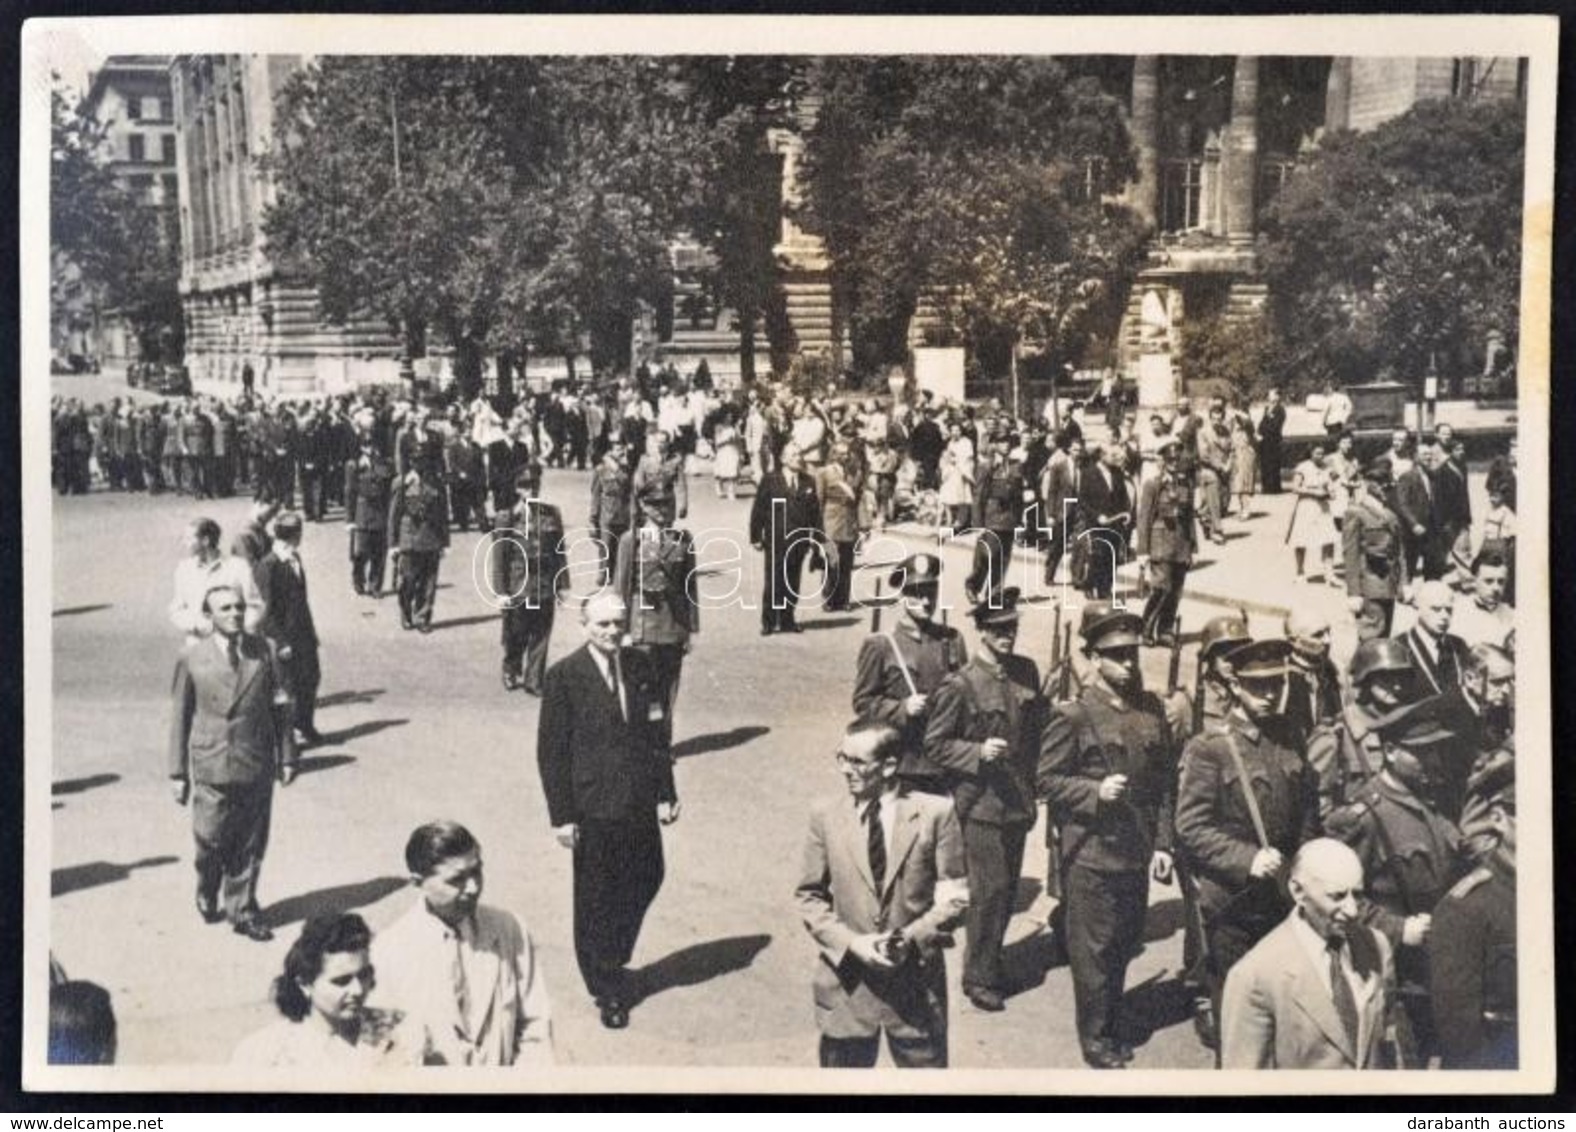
(1144, 122)
(1338, 94)
(1242, 151)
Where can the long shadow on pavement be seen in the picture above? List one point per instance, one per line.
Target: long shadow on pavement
(339, 898)
(830, 623)
(460, 622)
(359, 731)
(80, 785)
(74, 878)
(72, 611)
(1154, 1005)
(718, 741)
(311, 764)
(690, 966)
(335, 699)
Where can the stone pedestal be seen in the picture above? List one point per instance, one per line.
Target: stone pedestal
(1157, 381)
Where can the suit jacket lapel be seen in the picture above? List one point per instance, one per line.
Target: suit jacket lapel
(487, 969)
(1424, 661)
(251, 664)
(906, 819)
(1310, 994)
(852, 835)
(1365, 955)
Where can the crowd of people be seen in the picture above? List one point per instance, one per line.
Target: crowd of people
(1357, 823)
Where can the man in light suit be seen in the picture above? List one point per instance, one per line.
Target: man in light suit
(1316, 992)
(882, 882)
(230, 736)
(607, 773)
(467, 974)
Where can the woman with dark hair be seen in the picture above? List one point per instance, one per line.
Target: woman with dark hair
(322, 994)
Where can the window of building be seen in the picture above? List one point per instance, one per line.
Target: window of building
(1181, 184)
(152, 110)
(170, 191)
(135, 147)
(167, 149)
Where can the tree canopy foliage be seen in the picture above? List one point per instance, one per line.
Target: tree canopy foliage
(121, 247)
(1399, 247)
(982, 184)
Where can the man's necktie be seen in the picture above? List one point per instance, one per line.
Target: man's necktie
(876, 836)
(1341, 991)
(233, 651)
(462, 987)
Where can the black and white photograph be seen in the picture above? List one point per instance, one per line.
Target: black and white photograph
(687, 554)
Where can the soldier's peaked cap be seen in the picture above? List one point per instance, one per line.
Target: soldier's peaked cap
(1414, 725)
(1103, 627)
(999, 608)
(1261, 660)
(916, 572)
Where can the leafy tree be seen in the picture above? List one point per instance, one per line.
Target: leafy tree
(982, 182)
(1401, 247)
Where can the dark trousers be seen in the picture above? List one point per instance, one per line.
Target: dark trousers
(418, 585)
(842, 589)
(467, 501)
(1165, 595)
(230, 826)
(667, 666)
(153, 473)
(992, 556)
(526, 632)
(312, 493)
(1055, 548)
(224, 475)
(994, 856)
(617, 872)
(928, 1051)
(1105, 922)
(302, 676)
(368, 555)
(608, 537)
(780, 595)
(1107, 546)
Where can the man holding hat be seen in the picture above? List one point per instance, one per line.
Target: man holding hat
(1411, 856)
(1373, 545)
(898, 672)
(1167, 541)
(527, 573)
(1107, 769)
(985, 730)
(1345, 752)
(1245, 801)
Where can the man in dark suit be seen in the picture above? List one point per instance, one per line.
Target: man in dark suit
(527, 575)
(287, 622)
(1452, 511)
(229, 737)
(419, 530)
(1412, 499)
(1107, 518)
(368, 483)
(607, 774)
(881, 884)
(467, 482)
(1437, 652)
(785, 524)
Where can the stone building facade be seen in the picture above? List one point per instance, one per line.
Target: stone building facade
(240, 307)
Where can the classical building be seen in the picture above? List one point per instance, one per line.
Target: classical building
(129, 96)
(240, 308)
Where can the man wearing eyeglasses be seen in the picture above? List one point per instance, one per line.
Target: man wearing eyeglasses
(881, 884)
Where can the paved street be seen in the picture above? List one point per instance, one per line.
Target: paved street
(419, 727)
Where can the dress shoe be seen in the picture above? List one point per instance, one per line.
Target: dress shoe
(510, 681)
(405, 623)
(424, 627)
(766, 630)
(986, 999)
(209, 911)
(793, 627)
(1103, 1057)
(253, 929)
(615, 1015)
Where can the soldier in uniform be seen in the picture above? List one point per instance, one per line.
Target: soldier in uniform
(660, 471)
(1472, 947)
(984, 730)
(655, 575)
(898, 671)
(998, 512)
(1345, 752)
(1212, 696)
(1167, 541)
(368, 482)
(1107, 769)
(1411, 857)
(419, 528)
(527, 573)
(1371, 542)
(1246, 801)
(610, 496)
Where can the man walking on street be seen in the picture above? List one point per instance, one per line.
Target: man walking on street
(368, 487)
(288, 622)
(1167, 541)
(419, 528)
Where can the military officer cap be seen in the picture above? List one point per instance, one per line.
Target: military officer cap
(1261, 660)
(999, 608)
(1412, 726)
(916, 572)
(1221, 633)
(1103, 627)
(1385, 654)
